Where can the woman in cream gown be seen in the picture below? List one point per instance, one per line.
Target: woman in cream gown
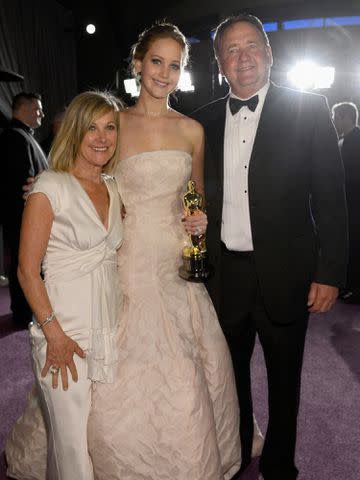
(171, 412)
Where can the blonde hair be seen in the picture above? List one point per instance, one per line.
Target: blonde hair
(81, 112)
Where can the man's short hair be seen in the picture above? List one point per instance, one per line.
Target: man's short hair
(24, 97)
(346, 109)
(232, 20)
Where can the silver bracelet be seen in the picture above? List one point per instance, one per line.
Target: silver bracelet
(47, 320)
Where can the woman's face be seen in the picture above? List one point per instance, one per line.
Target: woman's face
(161, 67)
(99, 142)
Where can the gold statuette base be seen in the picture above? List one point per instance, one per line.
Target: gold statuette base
(194, 268)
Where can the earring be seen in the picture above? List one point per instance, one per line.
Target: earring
(138, 77)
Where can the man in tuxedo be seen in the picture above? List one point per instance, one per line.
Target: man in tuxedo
(345, 117)
(21, 157)
(277, 232)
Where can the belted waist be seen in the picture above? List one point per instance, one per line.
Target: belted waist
(66, 266)
(69, 265)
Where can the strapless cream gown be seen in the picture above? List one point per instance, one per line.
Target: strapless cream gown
(172, 412)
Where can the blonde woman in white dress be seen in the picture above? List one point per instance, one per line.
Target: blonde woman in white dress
(72, 227)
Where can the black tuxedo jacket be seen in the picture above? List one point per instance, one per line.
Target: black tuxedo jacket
(296, 199)
(20, 157)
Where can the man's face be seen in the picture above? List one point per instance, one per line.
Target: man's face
(34, 113)
(244, 59)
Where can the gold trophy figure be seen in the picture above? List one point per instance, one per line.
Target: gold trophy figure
(194, 268)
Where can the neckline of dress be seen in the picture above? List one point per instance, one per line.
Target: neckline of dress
(166, 150)
(91, 203)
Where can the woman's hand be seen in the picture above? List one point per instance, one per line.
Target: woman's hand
(195, 224)
(59, 357)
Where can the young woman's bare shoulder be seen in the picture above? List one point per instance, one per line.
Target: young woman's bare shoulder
(190, 126)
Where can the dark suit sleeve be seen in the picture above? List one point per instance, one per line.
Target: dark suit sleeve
(16, 159)
(328, 200)
(20, 163)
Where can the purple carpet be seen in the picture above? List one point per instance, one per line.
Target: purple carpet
(329, 422)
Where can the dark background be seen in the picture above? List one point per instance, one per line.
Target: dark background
(59, 59)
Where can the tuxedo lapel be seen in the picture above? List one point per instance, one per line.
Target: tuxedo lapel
(268, 165)
(216, 139)
(264, 134)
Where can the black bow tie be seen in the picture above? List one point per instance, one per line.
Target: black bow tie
(235, 104)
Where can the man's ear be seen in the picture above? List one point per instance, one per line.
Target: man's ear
(269, 55)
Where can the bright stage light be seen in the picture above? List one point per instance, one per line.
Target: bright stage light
(306, 75)
(90, 28)
(301, 75)
(185, 84)
(326, 76)
(131, 87)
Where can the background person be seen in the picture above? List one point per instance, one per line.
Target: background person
(345, 117)
(21, 157)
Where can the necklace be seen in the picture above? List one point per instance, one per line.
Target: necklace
(149, 113)
(154, 114)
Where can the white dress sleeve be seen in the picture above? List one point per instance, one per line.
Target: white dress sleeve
(49, 183)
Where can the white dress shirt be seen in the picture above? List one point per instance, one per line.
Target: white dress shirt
(240, 131)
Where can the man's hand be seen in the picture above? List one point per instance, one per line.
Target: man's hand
(321, 297)
(26, 188)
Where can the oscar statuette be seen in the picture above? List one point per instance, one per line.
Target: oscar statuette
(195, 265)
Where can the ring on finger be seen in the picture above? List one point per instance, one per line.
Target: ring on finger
(54, 370)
